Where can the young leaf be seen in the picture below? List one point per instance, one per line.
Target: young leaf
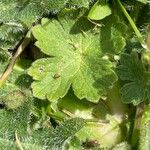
(113, 34)
(138, 88)
(100, 10)
(77, 59)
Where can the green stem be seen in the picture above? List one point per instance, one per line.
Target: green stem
(131, 124)
(137, 32)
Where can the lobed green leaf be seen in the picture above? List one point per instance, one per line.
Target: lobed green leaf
(132, 70)
(77, 59)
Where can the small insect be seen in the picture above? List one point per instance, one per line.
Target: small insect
(56, 76)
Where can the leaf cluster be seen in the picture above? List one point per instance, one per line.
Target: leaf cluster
(80, 78)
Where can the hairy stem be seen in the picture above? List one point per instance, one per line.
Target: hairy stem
(9, 68)
(137, 125)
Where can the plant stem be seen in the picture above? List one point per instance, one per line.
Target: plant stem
(137, 32)
(137, 125)
(20, 49)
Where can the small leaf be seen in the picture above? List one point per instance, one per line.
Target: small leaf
(100, 10)
(113, 33)
(138, 88)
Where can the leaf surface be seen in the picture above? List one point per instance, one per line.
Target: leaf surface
(132, 70)
(76, 59)
(65, 131)
(113, 34)
(100, 10)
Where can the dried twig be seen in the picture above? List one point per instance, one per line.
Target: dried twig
(20, 49)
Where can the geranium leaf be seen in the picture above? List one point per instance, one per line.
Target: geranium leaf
(77, 59)
(131, 69)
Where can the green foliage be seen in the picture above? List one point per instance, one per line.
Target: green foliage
(26, 11)
(113, 34)
(100, 10)
(106, 119)
(104, 134)
(77, 60)
(16, 16)
(14, 129)
(11, 122)
(17, 122)
(10, 34)
(13, 92)
(87, 65)
(131, 69)
(63, 132)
